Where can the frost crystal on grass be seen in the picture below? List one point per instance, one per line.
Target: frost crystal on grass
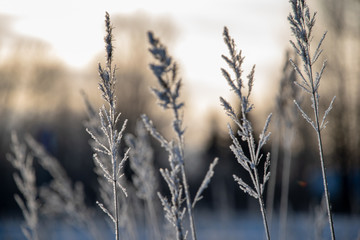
(25, 180)
(302, 23)
(168, 94)
(108, 139)
(251, 163)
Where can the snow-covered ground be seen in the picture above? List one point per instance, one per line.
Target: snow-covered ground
(214, 227)
(250, 227)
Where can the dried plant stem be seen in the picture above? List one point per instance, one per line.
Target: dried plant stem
(114, 155)
(288, 139)
(302, 23)
(116, 213)
(168, 94)
(181, 147)
(144, 179)
(25, 180)
(245, 132)
(273, 169)
(153, 218)
(188, 203)
(263, 212)
(111, 164)
(185, 184)
(114, 152)
(323, 171)
(184, 180)
(256, 155)
(166, 72)
(116, 208)
(318, 128)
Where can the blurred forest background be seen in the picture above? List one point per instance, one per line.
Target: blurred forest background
(42, 96)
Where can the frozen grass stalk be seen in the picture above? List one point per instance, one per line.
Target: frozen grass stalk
(166, 73)
(126, 220)
(245, 132)
(144, 178)
(109, 120)
(287, 113)
(302, 23)
(26, 182)
(168, 94)
(61, 196)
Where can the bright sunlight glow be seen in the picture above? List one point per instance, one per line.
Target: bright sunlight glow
(74, 29)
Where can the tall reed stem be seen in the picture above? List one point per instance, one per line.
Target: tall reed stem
(168, 94)
(110, 146)
(315, 97)
(323, 171)
(246, 132)
(284, 201)
(263, 212)
(183, 175)
(114, 156)
(302, 23)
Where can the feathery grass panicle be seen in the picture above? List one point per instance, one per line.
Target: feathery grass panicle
(174, 212)
(301, 24)
(62, 197)
(109, 120)
(141, 162)
(286, 113)
(251, 163)
(25, 180)
(168, 92)
(205, 183)
(144, 178)
(165, 71)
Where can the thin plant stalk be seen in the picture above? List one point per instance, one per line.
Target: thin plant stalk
(168, 94)
(245, 132)
(288, 139)
(180, 142)
(323, 172)
(25, 180)
(93, 125)
(109, 120)
(144, 179)
(270, 197)
(301, 25)
(286, 91)
(184, 179)
(153, 219)
(114, 152)
(288, 112)
(263, 213)
(61, 191)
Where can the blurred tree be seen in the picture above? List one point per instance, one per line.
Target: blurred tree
(40, 95)
(30, 80)
(342, 19)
